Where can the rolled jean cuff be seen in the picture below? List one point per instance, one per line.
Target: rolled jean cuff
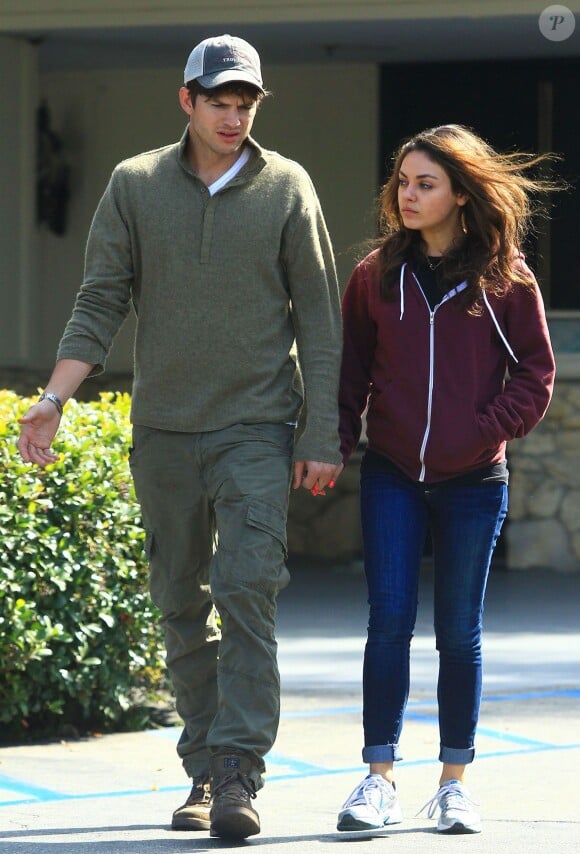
(381, 753)
(456, 755)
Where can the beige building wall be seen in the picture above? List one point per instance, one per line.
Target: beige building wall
(18, 83)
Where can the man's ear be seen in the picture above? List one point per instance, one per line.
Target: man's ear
(185, 100)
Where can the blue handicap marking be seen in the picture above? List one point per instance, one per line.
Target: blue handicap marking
(14, 791)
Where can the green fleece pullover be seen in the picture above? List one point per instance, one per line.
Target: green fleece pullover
(223, 288)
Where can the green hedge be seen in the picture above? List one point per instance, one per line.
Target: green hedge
(80, 644)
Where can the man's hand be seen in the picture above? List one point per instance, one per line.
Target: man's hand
(39, 426)
(40, 423)
(313, 475)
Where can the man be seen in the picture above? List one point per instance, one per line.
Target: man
(222, 249)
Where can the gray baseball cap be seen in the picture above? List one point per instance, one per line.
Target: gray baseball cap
(223, 59)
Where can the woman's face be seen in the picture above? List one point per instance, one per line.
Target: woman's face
(427, 202)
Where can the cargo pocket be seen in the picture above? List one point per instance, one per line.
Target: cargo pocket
(270, 519)
(261, 561)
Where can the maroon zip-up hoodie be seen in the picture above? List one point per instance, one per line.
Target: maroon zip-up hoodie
(439, 405)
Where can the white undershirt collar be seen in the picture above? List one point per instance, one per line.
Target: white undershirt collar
(231, 173)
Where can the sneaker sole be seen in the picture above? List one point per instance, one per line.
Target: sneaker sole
(348, 823)
(458, 828)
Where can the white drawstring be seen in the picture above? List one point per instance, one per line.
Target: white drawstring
(498, 327)
(402, 290)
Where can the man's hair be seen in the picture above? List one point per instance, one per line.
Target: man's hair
(235, 87)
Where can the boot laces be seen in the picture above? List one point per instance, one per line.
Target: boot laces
(199, 791)
(235, 786)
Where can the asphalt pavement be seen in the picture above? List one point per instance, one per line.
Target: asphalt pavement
(115, 794)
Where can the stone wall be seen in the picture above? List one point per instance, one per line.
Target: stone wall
(543, 527)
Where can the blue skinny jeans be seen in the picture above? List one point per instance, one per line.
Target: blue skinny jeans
(465, 522)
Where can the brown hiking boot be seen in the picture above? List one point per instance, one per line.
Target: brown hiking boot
(194, 814)
(232, 790)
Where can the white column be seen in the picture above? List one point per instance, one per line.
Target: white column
(18, 101)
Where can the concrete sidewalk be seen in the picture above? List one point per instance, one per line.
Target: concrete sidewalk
(115, 794)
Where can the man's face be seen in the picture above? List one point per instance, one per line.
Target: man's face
(220, 123)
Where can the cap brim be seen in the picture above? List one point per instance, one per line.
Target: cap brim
(210, 81)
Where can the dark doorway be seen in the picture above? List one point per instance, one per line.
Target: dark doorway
(530, 106)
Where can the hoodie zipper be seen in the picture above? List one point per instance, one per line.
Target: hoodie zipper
(432, 312)
(430, 392)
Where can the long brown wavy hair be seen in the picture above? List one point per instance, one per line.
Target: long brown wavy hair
(495, 220)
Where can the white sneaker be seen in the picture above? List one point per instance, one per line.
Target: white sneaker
(457, 810)
(371, 806)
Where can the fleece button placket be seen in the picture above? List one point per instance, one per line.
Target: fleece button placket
(207, 226)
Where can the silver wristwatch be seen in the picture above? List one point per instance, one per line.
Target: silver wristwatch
(48, 395)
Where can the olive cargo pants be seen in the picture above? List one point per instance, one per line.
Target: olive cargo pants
(214, 507)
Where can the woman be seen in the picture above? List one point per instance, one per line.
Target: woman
(434, 320)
